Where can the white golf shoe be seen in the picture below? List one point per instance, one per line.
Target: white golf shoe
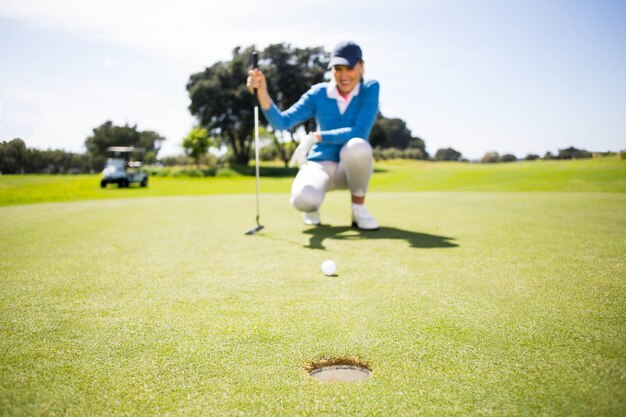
(312, 218)
(361, 219)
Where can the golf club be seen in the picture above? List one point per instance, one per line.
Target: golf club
(255, 64)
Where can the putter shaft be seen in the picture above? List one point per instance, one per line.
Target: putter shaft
(256, 160)
(258, 174)
(255, 64)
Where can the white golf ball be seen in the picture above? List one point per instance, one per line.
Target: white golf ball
(329, 267)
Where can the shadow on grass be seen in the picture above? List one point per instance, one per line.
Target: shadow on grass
(416, 240)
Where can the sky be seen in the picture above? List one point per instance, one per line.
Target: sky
(475, 75)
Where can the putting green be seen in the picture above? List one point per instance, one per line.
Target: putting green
(462, 304)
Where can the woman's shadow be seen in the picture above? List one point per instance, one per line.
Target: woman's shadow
(416, 240)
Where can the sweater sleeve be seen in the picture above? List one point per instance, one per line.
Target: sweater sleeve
(364, 121)
(302, 110)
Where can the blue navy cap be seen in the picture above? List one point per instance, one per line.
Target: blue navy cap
(345, 53)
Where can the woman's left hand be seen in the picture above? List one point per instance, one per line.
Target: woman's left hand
(256, 80)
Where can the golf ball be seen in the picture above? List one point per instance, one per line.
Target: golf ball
(329, 267)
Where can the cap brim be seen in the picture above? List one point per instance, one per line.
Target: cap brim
(337, 60)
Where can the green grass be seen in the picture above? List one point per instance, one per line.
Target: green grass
(601, 174)
(464, 303)
(29, 189)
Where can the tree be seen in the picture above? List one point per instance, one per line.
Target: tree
(447, 154)
(17, 158)
(277, 148)
(507, 157)
(197, 143)
(531, 157)
(573, 153)
(393, 133)
(222, 104)
(490, 158)
(57, 162)
(13, 155)
(151, 141)
(291, 72)
(108, 134)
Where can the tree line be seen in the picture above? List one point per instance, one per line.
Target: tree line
(223, 109)
(17, 158)
(567, 153)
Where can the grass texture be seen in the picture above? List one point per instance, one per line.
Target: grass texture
(600, 174)
(484, 302)
(476, 303)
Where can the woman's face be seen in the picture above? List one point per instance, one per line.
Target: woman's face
(347, 78)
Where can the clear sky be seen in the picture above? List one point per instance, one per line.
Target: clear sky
(476, 75)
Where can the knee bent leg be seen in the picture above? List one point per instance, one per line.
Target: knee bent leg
(307, 200)
(356, 148)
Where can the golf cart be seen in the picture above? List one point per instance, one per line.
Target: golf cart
(121, 170)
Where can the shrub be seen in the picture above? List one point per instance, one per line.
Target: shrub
(190, 173)
(268, 153)
(508, 158)
(394, 153)
(226, 173)
(447, 154)
(490, 158)
(573, 153)
(413, 153)
(165, 172)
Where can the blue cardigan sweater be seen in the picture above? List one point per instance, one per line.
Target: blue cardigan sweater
(336, 128)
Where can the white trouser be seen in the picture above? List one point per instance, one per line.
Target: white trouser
(353, 171)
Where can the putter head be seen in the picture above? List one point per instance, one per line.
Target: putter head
(254, 230)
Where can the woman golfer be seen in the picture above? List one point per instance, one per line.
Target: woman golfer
(338, 155)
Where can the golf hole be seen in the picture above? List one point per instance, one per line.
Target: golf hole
(339, 370)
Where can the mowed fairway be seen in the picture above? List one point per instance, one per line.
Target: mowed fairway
(464, 303)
